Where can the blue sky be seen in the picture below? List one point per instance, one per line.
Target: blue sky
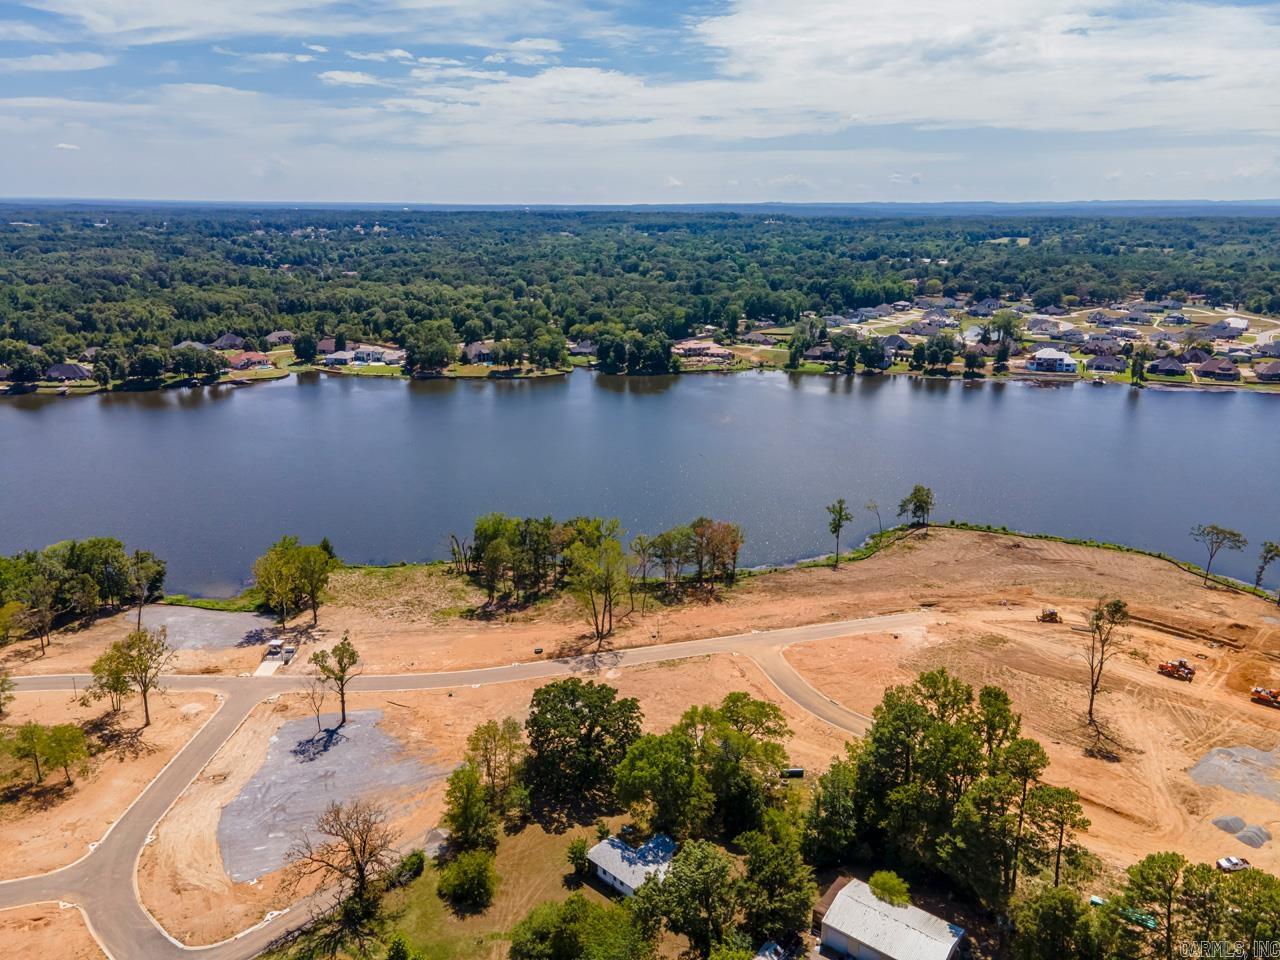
(593, 101)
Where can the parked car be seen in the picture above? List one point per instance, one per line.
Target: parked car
(771, 951)
(1232, 864)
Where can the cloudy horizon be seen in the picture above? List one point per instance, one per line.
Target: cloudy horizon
(613, 101)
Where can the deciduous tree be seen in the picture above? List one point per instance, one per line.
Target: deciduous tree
(145, 654)
(1214, 538)
(1106, 618)
(337, 668)
(839, 516)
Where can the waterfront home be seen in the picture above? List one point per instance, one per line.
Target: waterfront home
(1218, 368)
(68, 371)
(279, 338)
(1268, 372)
(367, 353)
(859, 924)
(339, 358)
(1195, 355)
(584, 348)
(247, 360)
(1100, 344)
(1166, 367)
(625, 868)
(759, 339)
(822, 353)
(479, 352)
(1050, 360)
(701, 348)
(1106, 363)
(326, 345)
(895, 343)
(228, 341)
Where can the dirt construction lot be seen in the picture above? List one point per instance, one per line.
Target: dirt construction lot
(47, 930)
(46, 827)
(182, 876)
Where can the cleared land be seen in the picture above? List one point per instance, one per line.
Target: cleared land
(182, 876)
(46, 826)
(47, 930)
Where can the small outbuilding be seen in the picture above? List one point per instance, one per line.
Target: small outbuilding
(625, 868)
(859, 924)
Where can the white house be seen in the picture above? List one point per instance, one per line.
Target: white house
(626, 868)
(859, 924)
(1049, 360)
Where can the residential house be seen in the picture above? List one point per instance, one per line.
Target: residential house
(1050, 360)
(822, 353)
(1100, 319)
(247, 360)
(479, 352)
(1040, 323)
(339, 358)
(1099, 344)
(1218, 368)
(895, 343)
(584, 348)
(625, 868)
(918, 328)
(1170, 304)
(88, 355)
(366, 353)
(279, 338)
(228, 341)
(68, 371)
(1269, 349)
(4, 374)
(1166, 367)
(1268, 372)
(190, 345)
(1195, 355)
(1072, 335)
(759, 339)
(1177, 319)
(1106, 363)
(326, 345)
(833, 320)
(900, 305)
(1054, 311)
(861, 925)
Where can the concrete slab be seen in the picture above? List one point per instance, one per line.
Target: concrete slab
(303, 773)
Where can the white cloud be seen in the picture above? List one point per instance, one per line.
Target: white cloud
(316, 47)
(66, 146)
(19, 31)
(671, 181)
(380, 56)
(55, 62)
(349, 78)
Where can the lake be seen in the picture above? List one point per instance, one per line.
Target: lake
(386, 469)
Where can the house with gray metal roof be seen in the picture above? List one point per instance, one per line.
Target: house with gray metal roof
(625, 868)
(859, 924)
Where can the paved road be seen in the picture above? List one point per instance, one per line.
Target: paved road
(103, 881)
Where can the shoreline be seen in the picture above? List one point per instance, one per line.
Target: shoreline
(1012, 376)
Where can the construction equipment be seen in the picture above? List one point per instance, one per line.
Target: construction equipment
(1268, 698)
(1178, 669)
(1049, 615)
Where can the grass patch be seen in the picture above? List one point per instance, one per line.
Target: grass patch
(251, 601)
(415, 591)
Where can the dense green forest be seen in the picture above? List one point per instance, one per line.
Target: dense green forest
(132, 278)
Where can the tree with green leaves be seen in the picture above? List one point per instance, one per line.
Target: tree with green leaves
(111, 679)
(597, 578)
(839, 517)
(28, 743)
(1214, 539)
(889, 887)
(498, 750)
(469, 880)
(7, 686)
(1152, 892)
(831, 823)
(660, 774)
(699, 895)
(579, 929)
(144, 655)
(313, 565)
(1052, 924)
(1106, 617)
(276, 573)
(778, 890)
(578, 732)
(576, 855)
(145, 579)
(64, 746)
(918, 504)
(337, 668)
(1056, 817)
(468, 814)
(40, 603)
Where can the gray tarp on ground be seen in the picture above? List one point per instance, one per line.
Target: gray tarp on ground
(191, 628)
(1241, 769)
(303, 773)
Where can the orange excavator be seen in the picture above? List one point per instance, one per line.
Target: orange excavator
(1178, 669)
(1269, 698)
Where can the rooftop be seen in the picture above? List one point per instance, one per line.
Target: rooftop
(901, 933)
(634, 865)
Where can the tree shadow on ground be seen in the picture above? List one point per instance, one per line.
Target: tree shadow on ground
(108, 736)
(313, 747)
(37, 796)
(1103, 742)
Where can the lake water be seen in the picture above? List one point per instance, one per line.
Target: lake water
(387, 469)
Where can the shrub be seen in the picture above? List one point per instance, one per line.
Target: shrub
(577, 856)
(470, 880)
(407, 870)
